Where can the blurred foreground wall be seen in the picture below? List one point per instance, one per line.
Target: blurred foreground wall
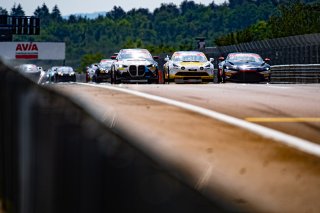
(54, 157)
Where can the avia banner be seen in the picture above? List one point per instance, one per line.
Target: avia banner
(33, 50)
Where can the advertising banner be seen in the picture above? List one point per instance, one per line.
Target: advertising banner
(33, 50)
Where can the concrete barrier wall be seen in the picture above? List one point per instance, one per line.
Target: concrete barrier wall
(55, 157)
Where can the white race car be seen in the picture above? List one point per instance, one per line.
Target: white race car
(134, 66)
(188, 67)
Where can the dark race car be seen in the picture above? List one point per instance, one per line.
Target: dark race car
(134, 66)
(243, 67)
(103, 71)
(64, 74)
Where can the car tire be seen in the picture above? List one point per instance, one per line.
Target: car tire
(161, 78)
(114, 77)
(168, 79)
(216, 77)
(55, 79)
(223, 77)
(269, 79)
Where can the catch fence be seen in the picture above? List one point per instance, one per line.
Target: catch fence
(302, 49)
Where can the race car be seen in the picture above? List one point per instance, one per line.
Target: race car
(64, 74)
(243, 67)
(31, 71)
(90, 70)
(103, 71)
(134, 66)
(188, 67)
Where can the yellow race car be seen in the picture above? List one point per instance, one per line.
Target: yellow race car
(188, 67)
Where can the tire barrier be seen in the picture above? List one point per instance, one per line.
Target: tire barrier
(296, 73)
(57, 157)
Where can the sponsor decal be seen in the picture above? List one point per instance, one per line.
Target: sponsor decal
(27, 51)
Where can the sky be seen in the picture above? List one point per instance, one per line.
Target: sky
(68, 7)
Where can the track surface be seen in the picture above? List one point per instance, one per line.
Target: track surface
(251, 172)
(254, 101)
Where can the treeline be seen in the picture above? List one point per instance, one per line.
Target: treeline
(166, 29)
(290, 19)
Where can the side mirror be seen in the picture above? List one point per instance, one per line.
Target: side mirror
(167, 58)
(156, 57)
(113, 57)
(211, 59)
(221, 58)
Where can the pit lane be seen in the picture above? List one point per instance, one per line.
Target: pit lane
(220, 153)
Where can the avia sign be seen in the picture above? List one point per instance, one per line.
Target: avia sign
(27, 51)
(33, 50)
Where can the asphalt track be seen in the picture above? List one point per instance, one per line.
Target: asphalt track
(249, 170)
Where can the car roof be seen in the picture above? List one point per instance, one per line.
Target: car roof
(188, 52)
(243, 53)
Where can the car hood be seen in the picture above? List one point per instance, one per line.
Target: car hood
(191, 64)
(248, 64)
(137, 61)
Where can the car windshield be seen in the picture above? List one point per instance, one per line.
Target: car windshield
(106, 65)
(29, 68)
(65, 69)
(197, 57)
(127, 54)
(244, 58)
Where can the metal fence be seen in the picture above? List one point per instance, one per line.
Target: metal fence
(295, 73)
(302, 49)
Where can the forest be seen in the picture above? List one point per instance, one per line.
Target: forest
(172, 27)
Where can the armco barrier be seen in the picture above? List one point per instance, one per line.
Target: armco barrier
(296, 73)
(55, 157)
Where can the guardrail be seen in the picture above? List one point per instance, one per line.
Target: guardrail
(295, 73)
(57, 157)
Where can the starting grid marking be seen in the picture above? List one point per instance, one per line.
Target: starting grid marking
(289, 140)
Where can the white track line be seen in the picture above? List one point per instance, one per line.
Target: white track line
(292, 141)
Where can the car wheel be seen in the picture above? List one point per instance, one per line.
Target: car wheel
(223, 76)
(168, 79)
(161, 79)
(216, 77)
(114, 77)
(269, 78)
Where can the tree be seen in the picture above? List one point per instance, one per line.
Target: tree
(56, 14)
(44, 14)
(116, 13)
(17, 10)
(3, 11)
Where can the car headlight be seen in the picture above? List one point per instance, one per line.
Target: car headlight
(231, 67)
(60, 73)
(123, 66)
(72, 73)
